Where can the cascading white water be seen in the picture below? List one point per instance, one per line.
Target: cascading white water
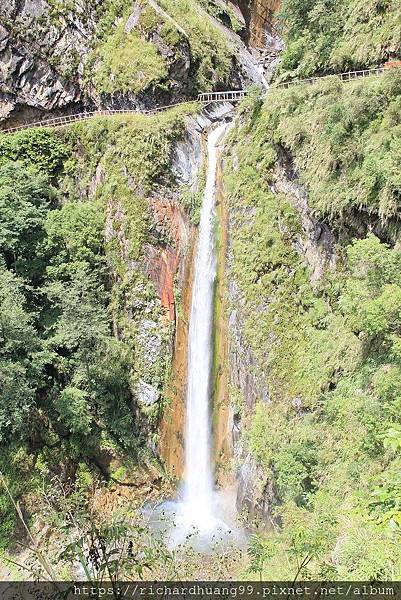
(202, 517)
(198, 491)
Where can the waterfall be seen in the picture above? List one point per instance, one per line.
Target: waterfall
(201, 516)
(198, 491)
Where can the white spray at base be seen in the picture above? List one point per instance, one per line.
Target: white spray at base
(198, 491)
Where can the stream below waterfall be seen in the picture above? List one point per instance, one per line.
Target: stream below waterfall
(201, 515)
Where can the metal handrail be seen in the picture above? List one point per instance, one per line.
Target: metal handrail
(83, 116)
(229, 95)
(204, 98)
(347, 76)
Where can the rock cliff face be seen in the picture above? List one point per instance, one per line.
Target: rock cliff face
(255, 494)
(43, 51)
(188, 163)
(315, 243)
(49, 55)
(262, 20)
(259, 16)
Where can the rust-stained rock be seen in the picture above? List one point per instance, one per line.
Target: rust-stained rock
(161, 266)
(222, 413)
(172, 427)
(259, 16)
(170, 219)
(262, 18)
(164, 262)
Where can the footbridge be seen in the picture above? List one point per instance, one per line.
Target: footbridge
(231, 96)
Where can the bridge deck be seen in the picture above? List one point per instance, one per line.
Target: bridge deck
(228, 96)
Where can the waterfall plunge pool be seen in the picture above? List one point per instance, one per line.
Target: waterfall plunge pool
(178, 528)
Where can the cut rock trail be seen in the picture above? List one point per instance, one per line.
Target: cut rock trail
(232, 96)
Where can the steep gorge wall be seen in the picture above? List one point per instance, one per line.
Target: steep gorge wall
(66, 57)
(262, 20)
(309, 371)
(259, 16)
(256, 493)
(191, 159)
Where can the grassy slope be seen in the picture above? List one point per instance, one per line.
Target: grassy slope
(132, 62)
(346, 142)
(327, 352)
(327, 36)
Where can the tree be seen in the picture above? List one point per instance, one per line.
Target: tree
(75, 240)
(92, 378)
(19, 365)
(25, 197)
(40, 148)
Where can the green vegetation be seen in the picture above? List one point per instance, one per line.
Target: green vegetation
(328, 36)
(80, 321)
(326, 349)
(41, 148)
(345, 139)
(128, 63)
(211, 51)
(134, 61)
(25, 198)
